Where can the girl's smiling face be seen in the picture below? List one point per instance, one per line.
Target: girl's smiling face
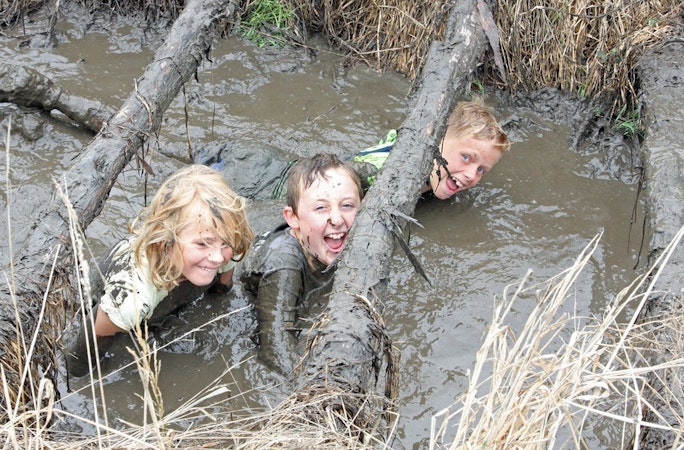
(203, 254)
(325, 212)
(468, 159)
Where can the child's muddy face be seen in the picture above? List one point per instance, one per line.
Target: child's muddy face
(203, 254)
(467, 161)
(325, 212)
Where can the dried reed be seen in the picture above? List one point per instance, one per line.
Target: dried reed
(13, 11)
(582, 46)
(389, 35)
(558, 375)
(28, 331)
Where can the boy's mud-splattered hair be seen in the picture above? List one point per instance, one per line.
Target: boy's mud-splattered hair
(194, 195)
(475, 119)
(306, 171)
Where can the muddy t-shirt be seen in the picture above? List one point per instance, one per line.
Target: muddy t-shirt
(287, 292)
(129, 296)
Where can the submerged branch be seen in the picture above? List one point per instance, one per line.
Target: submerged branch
(26, 87)
(88, 183)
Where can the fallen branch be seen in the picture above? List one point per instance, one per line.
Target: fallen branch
(88, 183)
(350, 348)
(26, 87)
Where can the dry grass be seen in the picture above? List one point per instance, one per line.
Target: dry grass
(560, 374)
(581, 46)
(31, 328)
(389, 35)
(321, 420)
(155, 10)
(591, 48)
(13, 11)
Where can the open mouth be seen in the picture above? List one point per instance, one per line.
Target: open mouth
(453, 184)
(335, 241)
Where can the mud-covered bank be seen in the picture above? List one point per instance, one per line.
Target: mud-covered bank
(514, 216)
(662, 95)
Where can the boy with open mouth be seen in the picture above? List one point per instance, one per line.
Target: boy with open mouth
(288, 270)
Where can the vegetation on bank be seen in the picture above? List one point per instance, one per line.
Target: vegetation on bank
(395, 36)
(586, 47)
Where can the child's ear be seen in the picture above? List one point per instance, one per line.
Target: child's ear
(291, 218)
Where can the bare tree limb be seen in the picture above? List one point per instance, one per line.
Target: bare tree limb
(26, 87)
(348, 349)
(88, 183)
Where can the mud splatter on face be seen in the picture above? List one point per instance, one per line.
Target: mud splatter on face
(441, 163)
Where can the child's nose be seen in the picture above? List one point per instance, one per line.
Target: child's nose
(472, 173)
(216, 254)
(335, 217)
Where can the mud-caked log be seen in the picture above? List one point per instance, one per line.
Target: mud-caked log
(43, 268)
(350, 349)
(662, 90)
(27, 87)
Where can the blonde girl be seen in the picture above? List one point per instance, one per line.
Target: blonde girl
(184, 244)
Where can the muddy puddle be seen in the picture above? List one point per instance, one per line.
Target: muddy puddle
(536, 210)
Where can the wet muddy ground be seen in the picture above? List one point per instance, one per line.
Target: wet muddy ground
(536, 210)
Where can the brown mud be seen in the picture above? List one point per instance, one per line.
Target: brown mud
(567, 177)
(662, 93)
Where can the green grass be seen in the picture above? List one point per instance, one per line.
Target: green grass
(264, 22)
(476, 88)
(629, 125)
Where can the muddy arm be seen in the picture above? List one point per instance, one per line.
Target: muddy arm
(78, 362)
(223, 284)
(276, 312)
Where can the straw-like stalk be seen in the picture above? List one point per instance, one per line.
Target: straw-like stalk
(388, 35)
(582, 46)
(561, 373)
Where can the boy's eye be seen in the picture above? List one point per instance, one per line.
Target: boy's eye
(465, 157)
(481, 170)
(348, 205)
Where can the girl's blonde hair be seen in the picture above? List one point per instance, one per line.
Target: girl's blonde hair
(194, 195)
(475, 119)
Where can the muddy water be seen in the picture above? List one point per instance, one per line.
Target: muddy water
(536, 210)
